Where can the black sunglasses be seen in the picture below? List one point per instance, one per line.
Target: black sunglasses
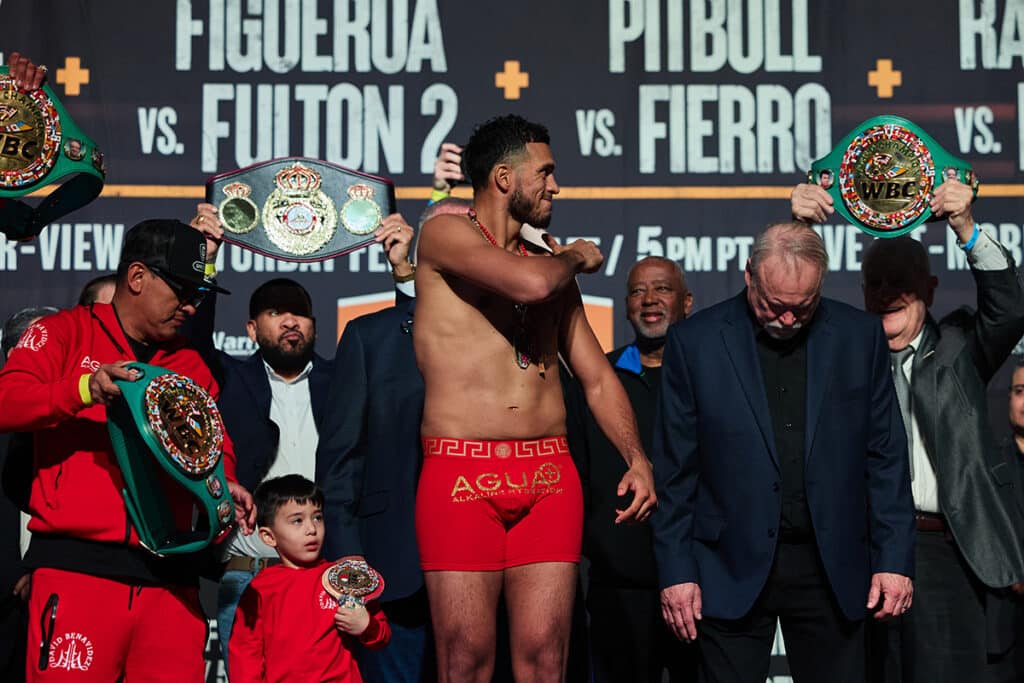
(188, 295)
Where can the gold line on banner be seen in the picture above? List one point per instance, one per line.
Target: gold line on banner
(583, 192)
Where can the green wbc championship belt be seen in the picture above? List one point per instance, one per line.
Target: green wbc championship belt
(39, 145)
(300, 209)
(167, 430)
(883, 173)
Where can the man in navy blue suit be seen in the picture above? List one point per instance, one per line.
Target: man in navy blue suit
(780, 461)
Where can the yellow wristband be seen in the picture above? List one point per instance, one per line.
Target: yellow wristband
(83, 390)
(211, 270)
(438, 195)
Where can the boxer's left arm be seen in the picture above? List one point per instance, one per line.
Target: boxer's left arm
(610, 406)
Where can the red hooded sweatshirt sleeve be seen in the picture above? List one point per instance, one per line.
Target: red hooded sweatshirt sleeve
(76, 489)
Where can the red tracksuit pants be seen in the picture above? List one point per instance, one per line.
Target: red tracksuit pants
(84, 628)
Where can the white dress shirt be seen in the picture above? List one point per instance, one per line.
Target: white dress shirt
(292, 411)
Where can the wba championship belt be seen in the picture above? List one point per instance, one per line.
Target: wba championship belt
(167, 429)
(883, 173)
(300, 209)
(352, 582)
(39, 145)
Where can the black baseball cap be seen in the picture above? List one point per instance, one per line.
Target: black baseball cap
(281, 294)
(175, 250)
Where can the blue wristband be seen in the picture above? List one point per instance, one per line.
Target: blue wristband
(974, 238)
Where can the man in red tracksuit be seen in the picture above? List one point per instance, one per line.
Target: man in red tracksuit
(102, 607)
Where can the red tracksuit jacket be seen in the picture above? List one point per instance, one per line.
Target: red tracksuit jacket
(284, 631)
(76, 490)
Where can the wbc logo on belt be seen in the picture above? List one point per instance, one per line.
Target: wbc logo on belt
(185, 420)
(30, 135)
(886, 177)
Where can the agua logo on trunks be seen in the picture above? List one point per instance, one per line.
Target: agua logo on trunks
(71, 652)
(489, 484)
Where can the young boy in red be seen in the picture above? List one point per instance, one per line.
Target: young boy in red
(287, 626)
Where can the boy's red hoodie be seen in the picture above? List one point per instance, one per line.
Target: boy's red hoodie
(284, 631)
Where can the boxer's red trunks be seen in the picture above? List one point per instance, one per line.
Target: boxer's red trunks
(488, 505)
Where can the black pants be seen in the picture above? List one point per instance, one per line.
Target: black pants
(629, 641)
(821, 644)
(945, 635)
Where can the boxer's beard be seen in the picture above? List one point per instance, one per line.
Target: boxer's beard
(524, 212)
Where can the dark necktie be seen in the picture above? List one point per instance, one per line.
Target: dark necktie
(903, 395)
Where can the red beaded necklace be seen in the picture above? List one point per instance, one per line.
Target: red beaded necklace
(522, 346)
(487, 233)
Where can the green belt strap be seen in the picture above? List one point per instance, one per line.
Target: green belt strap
(168, 428)
(40, 145)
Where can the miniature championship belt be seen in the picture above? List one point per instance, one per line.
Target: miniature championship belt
(300, 209)
(167, 429)
(883, 173)
(39, 145)
(352, 582)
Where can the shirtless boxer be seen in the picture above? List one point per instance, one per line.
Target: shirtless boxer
(499, 506)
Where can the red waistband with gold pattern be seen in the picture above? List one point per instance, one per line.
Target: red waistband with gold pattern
(435, 446)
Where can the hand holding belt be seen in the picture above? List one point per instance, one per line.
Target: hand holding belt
(166, 424)
(40, 145)
(352, 582)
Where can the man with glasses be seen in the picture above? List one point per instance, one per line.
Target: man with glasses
(101, 607)
(781, 466)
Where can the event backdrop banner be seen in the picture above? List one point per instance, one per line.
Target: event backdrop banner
(679, 127)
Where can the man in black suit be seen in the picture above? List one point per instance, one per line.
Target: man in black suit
(969, 545)
(781, 467)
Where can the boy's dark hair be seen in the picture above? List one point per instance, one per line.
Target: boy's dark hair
(273, 493)
(498, 140)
